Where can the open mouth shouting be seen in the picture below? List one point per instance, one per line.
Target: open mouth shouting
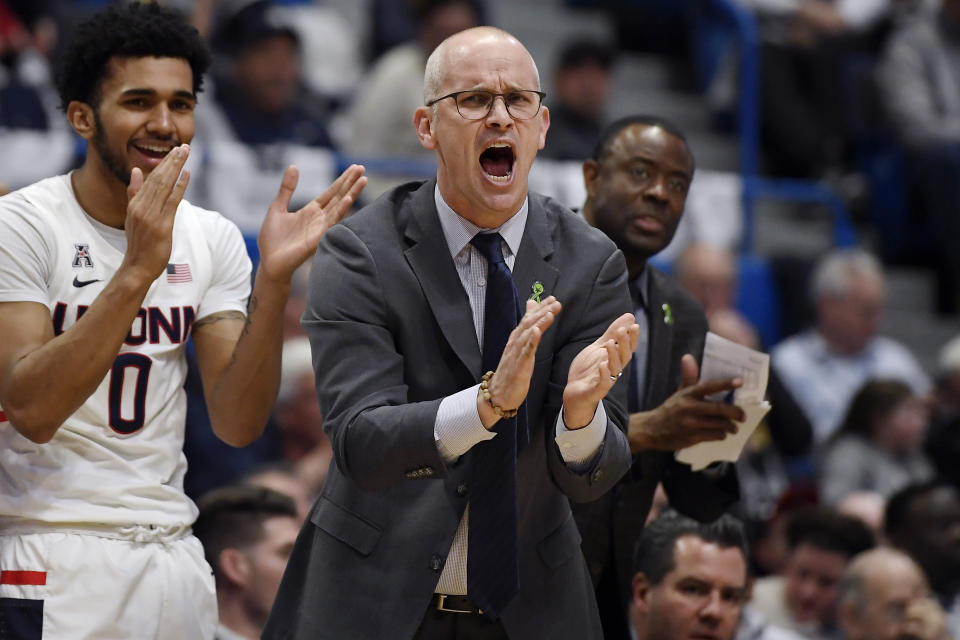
(497, 162)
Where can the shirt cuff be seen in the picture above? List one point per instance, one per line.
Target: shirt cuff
(458, 426)
(578, 447)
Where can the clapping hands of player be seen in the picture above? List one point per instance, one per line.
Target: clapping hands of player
(596, 369)
(288, 238)
(151, 209)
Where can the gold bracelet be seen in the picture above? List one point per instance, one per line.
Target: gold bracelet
(485, 392)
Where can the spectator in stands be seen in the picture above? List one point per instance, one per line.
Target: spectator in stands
(803, 599)
(259, 89)
(35, 138)
(690, 579)
(883, 595)
(297, 416)
(943, 437)
(920, 88)
(924, 521)
(280, 476)
(824, 366)
(868, 507)
(879, 447)
(581, 89)
(380, 120)
(247, 534)
(804, 47)
(709, 274)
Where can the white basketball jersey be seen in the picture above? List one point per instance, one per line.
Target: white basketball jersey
(118, 459)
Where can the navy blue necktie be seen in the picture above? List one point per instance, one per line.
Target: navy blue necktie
(492, 573)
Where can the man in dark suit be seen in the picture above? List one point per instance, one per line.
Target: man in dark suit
(637, 183)
(401, 323)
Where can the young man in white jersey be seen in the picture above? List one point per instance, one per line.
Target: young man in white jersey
(104, 275)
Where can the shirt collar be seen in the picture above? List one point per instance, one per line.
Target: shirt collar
(458, 231)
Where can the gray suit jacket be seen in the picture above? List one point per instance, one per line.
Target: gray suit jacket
(618, 517)
(392, 334)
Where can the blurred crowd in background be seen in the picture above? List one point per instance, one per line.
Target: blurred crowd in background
(858, 97)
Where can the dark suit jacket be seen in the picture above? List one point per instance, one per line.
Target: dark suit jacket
(618, 517)
(392, 335)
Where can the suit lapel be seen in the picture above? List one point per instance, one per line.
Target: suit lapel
(531, 265)
(434, 268)
(661, 344)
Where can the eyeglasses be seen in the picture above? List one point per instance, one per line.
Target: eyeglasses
(522, 104)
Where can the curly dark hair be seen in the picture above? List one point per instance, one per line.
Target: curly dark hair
(128, 30)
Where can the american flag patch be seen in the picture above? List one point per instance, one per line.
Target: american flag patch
(179, 273)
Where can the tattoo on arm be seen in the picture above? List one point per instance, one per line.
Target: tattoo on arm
(217, 317)
(251, 307)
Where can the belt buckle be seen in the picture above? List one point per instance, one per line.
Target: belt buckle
(442, 598)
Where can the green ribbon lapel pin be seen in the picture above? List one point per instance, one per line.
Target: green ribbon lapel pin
(667, 314)
(537, 290)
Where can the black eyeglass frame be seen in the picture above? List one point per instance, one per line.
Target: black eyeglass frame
(540, 94)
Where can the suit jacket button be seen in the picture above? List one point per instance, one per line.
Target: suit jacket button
(436, 562)
(428, 471)
(598, 475)
(461, 489)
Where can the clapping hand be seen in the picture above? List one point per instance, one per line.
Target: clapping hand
(596, 369)
(288, 238)
(511, 381)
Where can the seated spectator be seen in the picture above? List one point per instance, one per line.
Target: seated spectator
(823, 367)
(247, 534)
(770, 549)
(709, 274)
(924, 521)
(943, 437)
(805, 47)
(578, 102)
(297, 416)
(690, 578)
(380, 120)
(280, 476)
(884, 596)
(803, 598)
(879, 447)
(920, 89)
(868, 508)
(258, 86)
(34, 137)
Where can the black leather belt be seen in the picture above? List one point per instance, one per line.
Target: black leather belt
(453, 604)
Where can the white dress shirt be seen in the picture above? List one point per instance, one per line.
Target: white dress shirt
(458, 426)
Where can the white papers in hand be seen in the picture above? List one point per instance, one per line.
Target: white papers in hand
(723, 358)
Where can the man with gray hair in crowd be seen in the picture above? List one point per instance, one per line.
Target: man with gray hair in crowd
(824, 366)
(883, 595)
